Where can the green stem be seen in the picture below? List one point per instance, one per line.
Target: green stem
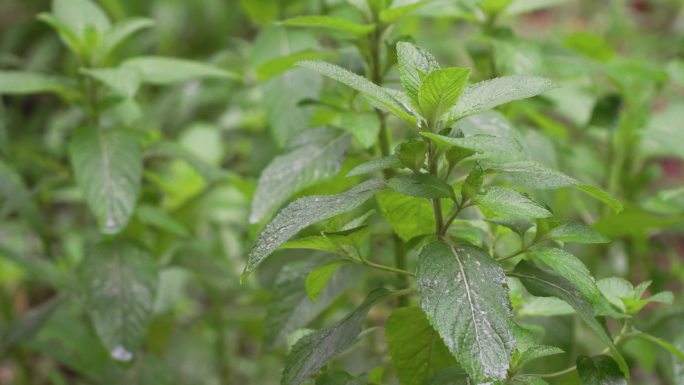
(436, 202)
(400, 272)
(384, 142)
(621, 335)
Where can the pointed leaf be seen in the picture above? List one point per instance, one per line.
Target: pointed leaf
(291, 308)
(317, 156)
(124, 30)
(319, 277)
(440, 90)
(122, 80)
(377, 95)
(569, 267)
(278, 65)
(507, 201)
(575, 232)
(378, 164)
(391, 15)
(24, 82)
(167, 70)
(491, 93)
(303, 213)
(417, 352)
(599, 370)
(414, 63)
(545, 284)
(120, 282)
(463, 293)
(108, 168)
(421, 185)
(315, 350)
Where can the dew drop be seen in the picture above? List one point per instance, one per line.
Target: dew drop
(121, 354)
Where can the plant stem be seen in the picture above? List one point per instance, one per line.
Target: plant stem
(436, 203)
(622, 334)
(375, 74)
(402, 273)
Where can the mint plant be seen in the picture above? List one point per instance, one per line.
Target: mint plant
(108, 152)
(451, 193)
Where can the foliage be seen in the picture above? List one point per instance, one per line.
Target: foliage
(215, 208)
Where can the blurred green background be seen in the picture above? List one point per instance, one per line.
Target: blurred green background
(620, 64)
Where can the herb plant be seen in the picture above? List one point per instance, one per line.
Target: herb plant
(339, 192)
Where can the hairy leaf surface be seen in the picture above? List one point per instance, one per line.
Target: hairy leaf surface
(463, 292)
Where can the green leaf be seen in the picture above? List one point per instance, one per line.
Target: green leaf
(80, 15)
(602, 195)
(316, 155)
(291, 307)
(415, 348)
(491, 93)
(24, 82)
(27, 324)
(531, 174)
(473, 183)
(330, 22)
(377, 95)
(124, 30)
(319, 277)
(536, 352)
(676, 352)
(120, 282)
(155, 216)
(364, 126)
(487, 147)
(377, 164)
(525, 6)
(122, 80)
(576, 232)
(108, 168)
(507, 201)
(421, 185)
(302, 213)
(162, 70)
(391, 15)
(569, 267)
(599, 370)
(315, 350)
(408, 216)
(278, 65)
(439, 91)
(527, 379)
(412, 154)
(545, 284)
(414, 64)
(463, 293)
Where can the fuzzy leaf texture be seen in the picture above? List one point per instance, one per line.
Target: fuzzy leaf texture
(108, 168)
(119, 281)
(488, 94)
(463, 292)
(421, 185)
(440, 90)
(318, 155)
(599, 370)
(414, 63)
(302, 213)
(315, 350)
(377, 95)
(545, 284)
(507, 201)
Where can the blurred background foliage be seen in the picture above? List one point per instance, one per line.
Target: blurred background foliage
(616, 120)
